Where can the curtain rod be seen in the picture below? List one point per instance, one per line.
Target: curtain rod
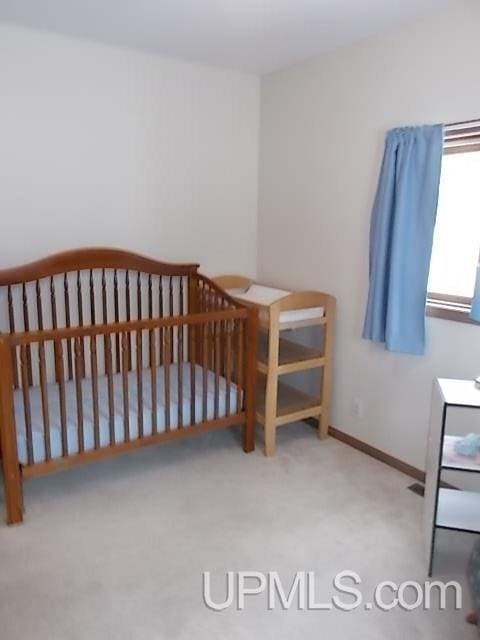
(458, 124)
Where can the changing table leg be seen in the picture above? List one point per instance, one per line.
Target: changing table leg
(324, 418)
(272, 384)
(251, 357)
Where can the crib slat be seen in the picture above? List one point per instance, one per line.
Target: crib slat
(150, 313)
(92, 298)
(67, 324)
(206, 301)
(11, 322)
(180, 375)
(166, 380)
(170, 295)
(94, 373)
(26, 325)
(24, 368)
(39, 305)
(170, 307)
(205, 355)
(139, 345)
(40, 328)
(160, 296)
(153, 373)
(53, 306)
(111, 399)
(104, 298)
(79, 300)
(44, 396)
(200, 297)
(139, 296)
(80, 323)
(128, 316)
(193, 359)
(126, 410)
(206, 290)
(239, 364)
(216, 355)
(180, 355)
(150, 298)
(61, 396)
(226, 325)
(181, 295)
(78, 392)
(228, 366)
(160, 313)
(235, 345)
(104, 312)
(117, 319)
(42, 373)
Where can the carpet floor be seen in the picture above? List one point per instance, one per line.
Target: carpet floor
(118, 549)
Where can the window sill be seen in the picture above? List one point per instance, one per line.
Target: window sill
(445, 311)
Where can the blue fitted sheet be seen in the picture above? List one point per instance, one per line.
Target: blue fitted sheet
(71, 409)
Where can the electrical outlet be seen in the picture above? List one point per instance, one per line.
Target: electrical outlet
(357, 408)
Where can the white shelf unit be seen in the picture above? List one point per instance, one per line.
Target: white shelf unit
(449, 508)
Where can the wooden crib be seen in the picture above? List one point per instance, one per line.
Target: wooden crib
(104, 351)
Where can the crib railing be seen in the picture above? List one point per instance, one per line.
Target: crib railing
(211, 349)
(102, 296)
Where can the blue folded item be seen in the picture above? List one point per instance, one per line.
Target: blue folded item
(468, 446)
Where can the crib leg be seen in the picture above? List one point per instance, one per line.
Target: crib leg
(11, 469)
(13, 495)
(249, 435)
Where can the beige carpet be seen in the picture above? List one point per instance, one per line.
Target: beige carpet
(117, 549)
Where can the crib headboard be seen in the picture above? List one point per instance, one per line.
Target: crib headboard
(100, 285)
(91, 258)
(85, 286)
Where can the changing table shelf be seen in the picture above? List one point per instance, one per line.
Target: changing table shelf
(292, 404)
(281, 310)
(292, 356)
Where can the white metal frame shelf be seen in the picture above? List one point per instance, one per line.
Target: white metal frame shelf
(449, 508)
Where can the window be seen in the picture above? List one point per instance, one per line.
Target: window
(456, 243)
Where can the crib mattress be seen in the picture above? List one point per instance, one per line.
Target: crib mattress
(265, 296)
(104, 432)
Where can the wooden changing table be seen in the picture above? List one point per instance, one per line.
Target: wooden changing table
(277, 402)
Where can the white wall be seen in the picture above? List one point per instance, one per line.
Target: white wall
(322, 132)
(106, 146)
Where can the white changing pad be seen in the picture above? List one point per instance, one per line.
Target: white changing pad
(266, 296)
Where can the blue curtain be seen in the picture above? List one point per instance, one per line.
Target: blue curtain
(401, 237)
(476, 298)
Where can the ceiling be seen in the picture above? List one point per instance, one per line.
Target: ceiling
(253, 35)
